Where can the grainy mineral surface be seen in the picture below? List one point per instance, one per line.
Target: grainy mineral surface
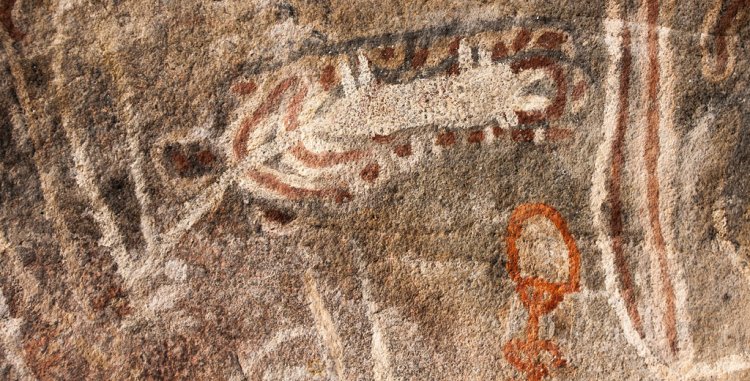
(375, 190)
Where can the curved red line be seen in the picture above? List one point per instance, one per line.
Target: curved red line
(275, 184)
(249, 124)
(724, 22)
(616, 219)
(321, 160)
(294, 109)
(651, 156)
(556, 108)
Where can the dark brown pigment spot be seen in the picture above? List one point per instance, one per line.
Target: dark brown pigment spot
(278, 216)
(499, 50)
(382, 139)
(555, 134)
(205, 157)
(403, 150)
(419, 59)
(453, 47)
(244, 88)
(453, 69)
(446, 139)
(476, 137)
(387, 53)
(179, 161)
(522, 39)
(189, 160)
(522, 135)
(370, 172)
(578, 90)
(328, 77)
(551, 40)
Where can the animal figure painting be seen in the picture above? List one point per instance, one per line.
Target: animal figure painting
(316, 127)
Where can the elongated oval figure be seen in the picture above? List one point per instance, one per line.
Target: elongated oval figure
(333, 125)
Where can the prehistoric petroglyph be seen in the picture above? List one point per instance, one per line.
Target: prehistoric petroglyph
(382, 369)
(668, 353)
(324, 115)
(252, 362)
(719, 37)
(324, 324)
(539, 295)
(338, 121)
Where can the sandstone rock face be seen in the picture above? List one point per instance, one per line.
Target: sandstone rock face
(372, 190)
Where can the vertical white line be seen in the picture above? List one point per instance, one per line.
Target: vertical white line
(347, 79)
(48, 179)
(366, 79)
(379, 350)
(86, 180)
(148, 225)
(464, 55)
(324, 323)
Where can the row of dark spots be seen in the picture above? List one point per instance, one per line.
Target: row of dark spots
(417, 55)
(412, 63)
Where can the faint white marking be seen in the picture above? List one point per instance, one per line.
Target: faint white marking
(366, 79)
(288, 374)
(538, 136)
(465, 60)
(4, 310)
(514, 320)
(467, 102)
(381, 355)
(725, 244)
(147, 222)
(347, 79)
(324, 323)
(667, 162)
(165, 297)
(193, 210)
(679, 370)
(489, 135)
(379, 348)
(176, 269)
(485, 57)
(29, 284)
(722, 367)
(249, 362)
(10, 336)
(86, 179)
(507, 120)
(456, 265)
(48, 178)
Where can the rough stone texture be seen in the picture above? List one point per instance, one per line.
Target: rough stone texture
(372, 190)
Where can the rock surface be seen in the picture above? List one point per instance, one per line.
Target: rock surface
(370, 190)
